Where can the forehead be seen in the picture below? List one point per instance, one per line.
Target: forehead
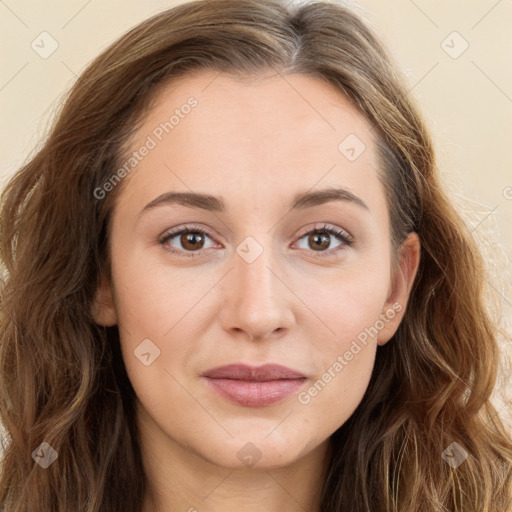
(251, 136)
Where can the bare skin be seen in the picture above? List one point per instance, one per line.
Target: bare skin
(302, 302)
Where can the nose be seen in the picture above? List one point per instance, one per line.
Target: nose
(257, 300)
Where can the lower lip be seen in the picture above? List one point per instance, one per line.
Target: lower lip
(255, 394)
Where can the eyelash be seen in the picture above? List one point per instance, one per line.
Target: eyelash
(342, 235)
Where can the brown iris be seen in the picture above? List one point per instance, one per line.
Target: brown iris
(319, 238)
(192, 240)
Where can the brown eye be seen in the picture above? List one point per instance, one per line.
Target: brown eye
(189, 241)
(320, 240)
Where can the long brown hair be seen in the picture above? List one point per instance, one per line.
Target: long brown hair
(62, 379)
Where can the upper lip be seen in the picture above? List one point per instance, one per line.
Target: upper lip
(249, 373)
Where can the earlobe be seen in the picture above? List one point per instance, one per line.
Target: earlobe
(103, 307)
(401, 285)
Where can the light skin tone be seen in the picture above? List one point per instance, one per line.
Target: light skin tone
(301, 303)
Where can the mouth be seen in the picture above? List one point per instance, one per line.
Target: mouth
(254, 386)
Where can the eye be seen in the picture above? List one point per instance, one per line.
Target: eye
(188, 241)
(319, 240)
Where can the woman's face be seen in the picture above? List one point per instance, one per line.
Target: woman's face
(291, 267)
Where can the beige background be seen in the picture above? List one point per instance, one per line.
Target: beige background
(467, 100)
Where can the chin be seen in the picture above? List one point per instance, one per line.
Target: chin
(258, 452)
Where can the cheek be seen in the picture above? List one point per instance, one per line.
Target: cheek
(152, 298)
(158, 309)
(350, 307)
(335, 394)
(345, 360)
(347, 302)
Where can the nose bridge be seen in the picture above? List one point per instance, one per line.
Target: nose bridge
(252, 269)
(257, 301)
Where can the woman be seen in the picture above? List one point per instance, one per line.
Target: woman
(232, 281)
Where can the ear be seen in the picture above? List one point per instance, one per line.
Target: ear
(103, 307)
(402, 280)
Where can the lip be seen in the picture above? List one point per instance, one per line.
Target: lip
(254, 386)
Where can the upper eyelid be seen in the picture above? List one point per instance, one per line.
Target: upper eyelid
(326, 227)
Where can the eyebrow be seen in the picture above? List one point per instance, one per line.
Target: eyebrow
(216, 204)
